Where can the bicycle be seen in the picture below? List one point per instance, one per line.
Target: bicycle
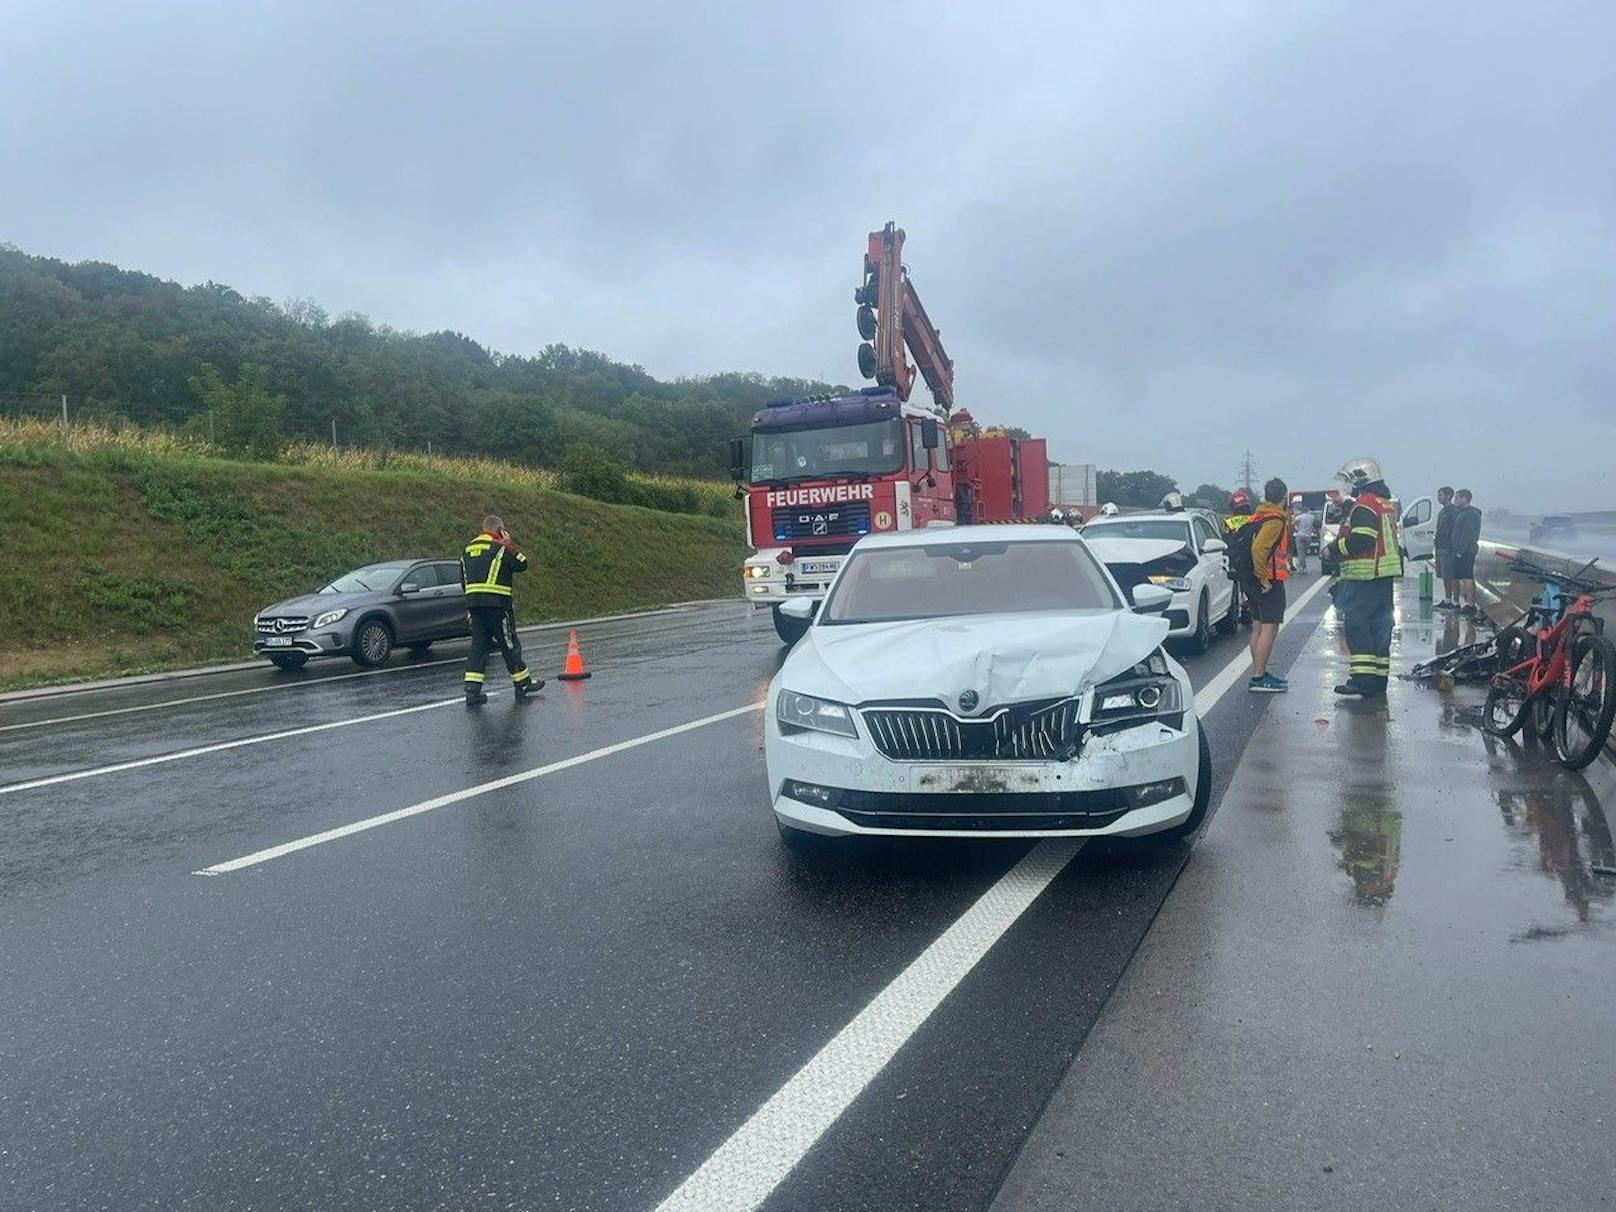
(1556, 665)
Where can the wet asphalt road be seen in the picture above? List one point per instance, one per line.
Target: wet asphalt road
(560, 994)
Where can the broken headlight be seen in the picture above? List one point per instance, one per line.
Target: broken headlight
(1144, 693)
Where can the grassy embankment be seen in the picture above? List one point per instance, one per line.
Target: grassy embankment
(137, 551)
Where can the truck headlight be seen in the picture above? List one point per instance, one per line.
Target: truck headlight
(804, 713)
(754, 571)
(329, 617)
(1176, 584)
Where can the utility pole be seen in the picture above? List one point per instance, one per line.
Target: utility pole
(1248, 474)
(333, 435)
(67, 436)
(429, 454)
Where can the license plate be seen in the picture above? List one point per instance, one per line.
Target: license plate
(278, 641)
(821, 568)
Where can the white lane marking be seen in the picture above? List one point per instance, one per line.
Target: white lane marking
(455, 797)
(227, 694)
(684, 608)
(1231, 673)
(747, 1167)
(221, 746)
(751, 1163)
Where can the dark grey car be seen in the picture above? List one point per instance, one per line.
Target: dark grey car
(364, 614)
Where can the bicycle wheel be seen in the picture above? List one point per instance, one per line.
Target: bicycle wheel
(1583, 715)
(1506, 707)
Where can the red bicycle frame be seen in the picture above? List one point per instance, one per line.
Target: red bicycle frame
(1550, 665)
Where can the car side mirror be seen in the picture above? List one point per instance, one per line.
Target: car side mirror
(408, 587)
(801, 609)
(1151, 599)
(737, 459)
(929, 437)
(1215, 545)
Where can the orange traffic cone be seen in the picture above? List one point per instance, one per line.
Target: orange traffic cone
(574, 670)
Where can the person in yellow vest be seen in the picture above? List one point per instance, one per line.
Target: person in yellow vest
(1271, 566)
(487, 567)
(1369, 565)
(1239, 509)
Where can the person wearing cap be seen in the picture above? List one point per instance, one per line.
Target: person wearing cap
(1239, 509)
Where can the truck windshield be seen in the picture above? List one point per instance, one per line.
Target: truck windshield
(872, 448)
(940, 580)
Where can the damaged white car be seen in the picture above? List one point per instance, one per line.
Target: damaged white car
(1183, 552)
(983, 681)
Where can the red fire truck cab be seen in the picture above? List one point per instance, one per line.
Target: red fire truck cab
(827, 470)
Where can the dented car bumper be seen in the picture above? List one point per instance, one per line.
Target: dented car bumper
(1121, 782)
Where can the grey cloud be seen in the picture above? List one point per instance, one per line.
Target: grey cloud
(1161, 233)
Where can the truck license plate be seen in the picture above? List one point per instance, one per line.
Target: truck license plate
(820, 568)
(278, 641)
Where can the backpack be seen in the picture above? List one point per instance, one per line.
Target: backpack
(1241, 566)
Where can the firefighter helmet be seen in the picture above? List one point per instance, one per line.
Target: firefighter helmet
(1358, 472)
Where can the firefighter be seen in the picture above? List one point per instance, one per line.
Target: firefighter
(1239, 509)
(487, 567)
(1369, 565)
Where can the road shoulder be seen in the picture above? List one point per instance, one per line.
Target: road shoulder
(1369, 985)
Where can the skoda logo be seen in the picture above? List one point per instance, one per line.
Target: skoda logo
(968, 700)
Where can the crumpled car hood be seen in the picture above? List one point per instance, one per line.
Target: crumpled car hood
(1005, 658)
(1133, 551)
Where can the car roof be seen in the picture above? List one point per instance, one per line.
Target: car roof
(933, 536)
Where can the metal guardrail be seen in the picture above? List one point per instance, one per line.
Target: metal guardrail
(1494, 572)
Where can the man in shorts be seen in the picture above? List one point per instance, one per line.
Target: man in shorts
(1466, 543)
(1271, 566)
(1445, 514)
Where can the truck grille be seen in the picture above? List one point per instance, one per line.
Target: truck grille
(1030, 732)
(849, 518)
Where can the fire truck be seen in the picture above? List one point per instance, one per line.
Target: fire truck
(818, 473)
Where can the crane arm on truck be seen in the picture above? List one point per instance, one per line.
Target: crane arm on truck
(892, 320)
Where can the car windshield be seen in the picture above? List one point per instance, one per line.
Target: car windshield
(940, 580)
(369, 579)
(1141, 528)
(873, 448)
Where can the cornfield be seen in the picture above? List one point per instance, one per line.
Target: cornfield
(24, 434)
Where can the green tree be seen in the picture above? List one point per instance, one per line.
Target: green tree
(246, 414)
(1140, 489)
(1213, 496)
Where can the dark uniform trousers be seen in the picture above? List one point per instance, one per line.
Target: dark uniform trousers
(493, 627)
(1366, 617)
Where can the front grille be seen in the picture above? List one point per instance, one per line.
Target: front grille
(1006, 811)
(283, 625)
(1031, 732)
(817, 522)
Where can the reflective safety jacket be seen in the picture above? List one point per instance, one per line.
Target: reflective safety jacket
(1235, 521)
(1271, 545)
(1368, 541)
(486, 568)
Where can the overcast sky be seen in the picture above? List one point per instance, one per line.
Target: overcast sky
(1156, 233)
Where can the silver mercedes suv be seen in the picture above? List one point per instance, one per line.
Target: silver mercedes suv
(365, 613)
